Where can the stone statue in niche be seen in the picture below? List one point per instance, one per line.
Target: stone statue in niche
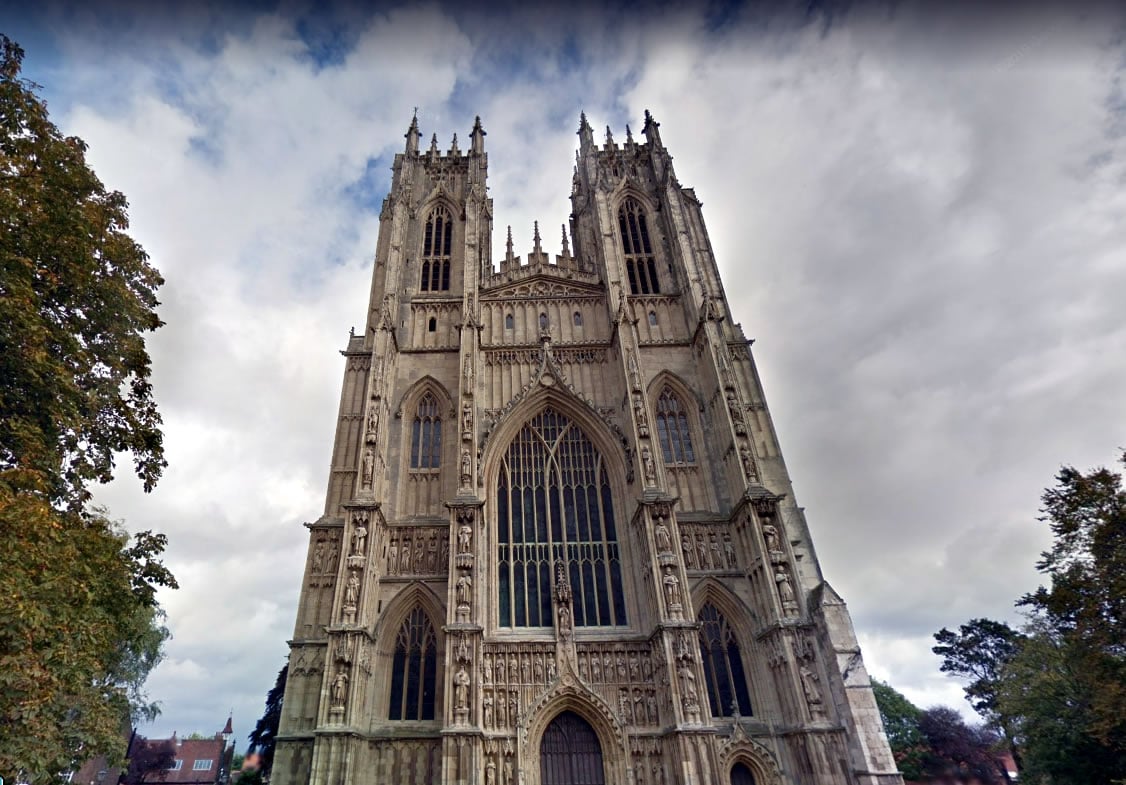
(464, 589)
(359, 536)
(487, 709)
(467, 421)
(319, 557)
(634, 370)
(770, 535)
(639, 413)
(487, 669)
(785, 588)
(491, 770)
(432, 553)
(686, 546)
(461, 688)
(352, 589)
(664, 541)
(373, 418)
(564, 621)
(809, 685)
(672, 593)
(340, 689)
(738, 418)
(729, 549)
(368, 467)
(748, 463)
(466, 469)
(650, 465)
(464, 538)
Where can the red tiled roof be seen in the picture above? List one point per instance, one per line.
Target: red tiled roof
(188, 752)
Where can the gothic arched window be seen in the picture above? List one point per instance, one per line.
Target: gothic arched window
(672, 429)
(426, 435)
(723, 664)
(641, 266)
(436, 244)
(508, 322)
(554, 506)
(741, 775)
(414, 670)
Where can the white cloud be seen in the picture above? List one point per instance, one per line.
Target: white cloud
(926, 244)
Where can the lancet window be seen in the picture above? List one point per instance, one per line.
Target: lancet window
(723, 664)
(436, 244)
(741, 775)
(672, 429)
(414, 670)
(641, 265)
(426, 435)
(554, 506)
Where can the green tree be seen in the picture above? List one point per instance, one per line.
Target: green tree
(264, 736)
(901, 723)
(957, 752)
(77, 295)
(1059, 688)
(79, 624)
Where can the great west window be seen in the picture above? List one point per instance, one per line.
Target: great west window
(554, 505)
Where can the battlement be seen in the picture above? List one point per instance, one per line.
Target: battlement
(515, 268)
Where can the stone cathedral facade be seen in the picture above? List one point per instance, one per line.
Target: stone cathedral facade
(560, 544)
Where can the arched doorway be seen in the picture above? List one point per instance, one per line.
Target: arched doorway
(570, 753)
(741, 775)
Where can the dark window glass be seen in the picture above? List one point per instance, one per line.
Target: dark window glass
(653, 318)
(672, 429)
(414, 670)
(570, 753)
(741, 775)
(432, 325)
(508, 322)
(560, 512)
(437, 241)
(578, 319)
(723, 664)
(641, 265)
(426, 435)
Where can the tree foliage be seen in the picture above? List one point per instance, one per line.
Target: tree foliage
(77, 295)
(957, 752)
(901, 723)
(264, 736)
(1058, 690)
(80, 627)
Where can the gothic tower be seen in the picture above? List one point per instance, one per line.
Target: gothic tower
(560, 544)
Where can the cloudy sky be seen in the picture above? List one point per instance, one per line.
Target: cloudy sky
(918, 214)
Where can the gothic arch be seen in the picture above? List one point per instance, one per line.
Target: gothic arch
(739, 615)
(414, 393)
(570, 695)
(415, 595)
(627, 190)
(679, 386)
(741, 748)
(439, 197)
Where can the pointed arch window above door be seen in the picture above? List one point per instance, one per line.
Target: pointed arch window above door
(554, 505)
(672, 429)
(426, 435)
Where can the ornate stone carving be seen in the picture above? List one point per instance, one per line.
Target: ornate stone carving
(708, 546)
(367, 468)
(738, 418)
(785, 589)
(340, 690)
(466, 469)
(649, 464)
(417, 550)
(671, 585)
(467, 422)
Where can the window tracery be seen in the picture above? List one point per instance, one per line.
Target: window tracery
(436, 244)
(554, 505)
(641, 265)
(723, 664)
(414, 670)
(426, 435)
(672, 429)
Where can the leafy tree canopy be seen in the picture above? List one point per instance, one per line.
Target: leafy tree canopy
(79, 624)
(901, 723)
(149, 760)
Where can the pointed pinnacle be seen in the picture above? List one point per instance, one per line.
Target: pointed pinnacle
(629, 135)
(583, 124)
(566, 246)
(509, 245)
(536, 237)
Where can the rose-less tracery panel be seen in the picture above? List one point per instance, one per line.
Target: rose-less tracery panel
(554, 504)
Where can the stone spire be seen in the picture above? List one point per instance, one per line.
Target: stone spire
(508, 252)
(566, 245)
(434, 146)
(413, 135)
(610, 139)
(650, 130)
(453, 147)
(586, 134)
(536, 249)
(629, 138)
(477, 137)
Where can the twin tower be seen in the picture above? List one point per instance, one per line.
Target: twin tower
(560, 544)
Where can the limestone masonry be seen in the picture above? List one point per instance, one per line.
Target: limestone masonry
(560, 544)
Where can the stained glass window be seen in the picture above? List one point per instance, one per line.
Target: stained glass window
(414, 670)
(723, 664)
(672, 429)
(641, 265)
(426, 435)
(554, 505)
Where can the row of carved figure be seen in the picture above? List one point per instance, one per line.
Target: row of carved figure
(417, 551)
(615, 665)
(707, 547)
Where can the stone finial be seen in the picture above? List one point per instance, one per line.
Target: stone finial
(586, 134)
(609, 139)
(454, 151)
(536, 249)
(477, 137)
(650, 130)
(434, 146)
(566, 245)
(508, 257)
(412, 135)
(629, 137)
